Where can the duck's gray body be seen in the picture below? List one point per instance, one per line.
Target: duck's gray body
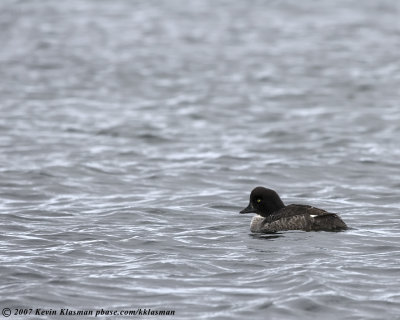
(298, 217)
(273, 215)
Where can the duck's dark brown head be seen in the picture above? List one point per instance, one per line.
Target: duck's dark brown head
(264, 202)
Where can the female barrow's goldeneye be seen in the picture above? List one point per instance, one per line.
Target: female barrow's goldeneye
(274, 216)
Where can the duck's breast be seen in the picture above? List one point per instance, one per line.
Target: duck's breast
(257, 223)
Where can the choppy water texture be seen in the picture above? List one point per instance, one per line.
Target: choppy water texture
(132, 132)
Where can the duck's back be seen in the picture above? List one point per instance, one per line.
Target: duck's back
(298, 217)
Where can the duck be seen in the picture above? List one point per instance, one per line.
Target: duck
(274, 216)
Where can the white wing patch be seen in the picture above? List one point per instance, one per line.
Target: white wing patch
(313, 215)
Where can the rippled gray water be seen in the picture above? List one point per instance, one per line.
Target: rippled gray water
(132, 132)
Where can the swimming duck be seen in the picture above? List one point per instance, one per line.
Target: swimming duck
(273, 215)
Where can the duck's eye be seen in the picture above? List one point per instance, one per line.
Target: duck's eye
(258, 200)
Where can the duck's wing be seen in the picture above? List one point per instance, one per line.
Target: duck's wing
(305, 209)
(293, 210)
(329, 222)
(324, 220)
(304, 217)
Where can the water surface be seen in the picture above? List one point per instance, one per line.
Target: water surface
(132, 132)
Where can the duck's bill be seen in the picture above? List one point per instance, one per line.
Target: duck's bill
(249, 209)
